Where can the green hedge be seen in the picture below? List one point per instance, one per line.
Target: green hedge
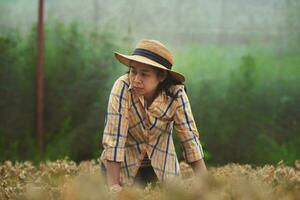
(245, 100)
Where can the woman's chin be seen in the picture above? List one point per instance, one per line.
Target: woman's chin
(139, 91)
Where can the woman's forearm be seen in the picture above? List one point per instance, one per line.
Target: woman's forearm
(113, 173)
(199, 166)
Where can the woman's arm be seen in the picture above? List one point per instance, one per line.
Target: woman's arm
(113, 173)
(188, 134)
(115, 132)
(199, 167)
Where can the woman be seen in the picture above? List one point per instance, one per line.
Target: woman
(143, 107)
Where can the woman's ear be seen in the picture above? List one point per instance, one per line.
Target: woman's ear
(163, 76)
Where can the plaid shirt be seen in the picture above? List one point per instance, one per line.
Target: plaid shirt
(132, 130)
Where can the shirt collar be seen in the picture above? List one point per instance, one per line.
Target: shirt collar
(130, 87)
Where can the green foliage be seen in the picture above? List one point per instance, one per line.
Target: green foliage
(268, 150)
(245, 100)
(79, 70)
(59, 145)
(239, 94)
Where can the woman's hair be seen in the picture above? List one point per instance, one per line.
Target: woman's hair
(168, 82)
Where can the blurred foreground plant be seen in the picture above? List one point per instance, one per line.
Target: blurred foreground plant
(64, 179)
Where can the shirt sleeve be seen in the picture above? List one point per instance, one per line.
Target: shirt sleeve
(116, 123)
(186, 129)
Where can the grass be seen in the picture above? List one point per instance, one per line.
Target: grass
(64, 179)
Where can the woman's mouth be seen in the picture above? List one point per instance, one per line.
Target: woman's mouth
(137, 88)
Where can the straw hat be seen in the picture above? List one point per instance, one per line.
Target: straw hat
(154, 53)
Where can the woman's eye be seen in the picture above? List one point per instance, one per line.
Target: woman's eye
(143, 74)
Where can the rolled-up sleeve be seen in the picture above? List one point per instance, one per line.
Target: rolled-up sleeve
(116, 123)
(186, 129)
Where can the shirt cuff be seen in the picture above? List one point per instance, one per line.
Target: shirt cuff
(192, 155)
(114, 154)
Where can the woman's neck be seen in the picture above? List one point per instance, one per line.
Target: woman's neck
(149, 98)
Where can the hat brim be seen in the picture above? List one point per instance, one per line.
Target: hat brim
(124, 59)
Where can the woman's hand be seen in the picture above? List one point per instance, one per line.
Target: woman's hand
(114, 189)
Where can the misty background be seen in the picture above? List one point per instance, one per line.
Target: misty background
(241, 60)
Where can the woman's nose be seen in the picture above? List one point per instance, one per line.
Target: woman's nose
(137, 78)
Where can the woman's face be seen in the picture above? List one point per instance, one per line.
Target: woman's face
(144, 79)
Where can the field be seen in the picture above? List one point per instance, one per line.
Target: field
(242, 67)
(64, 179)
